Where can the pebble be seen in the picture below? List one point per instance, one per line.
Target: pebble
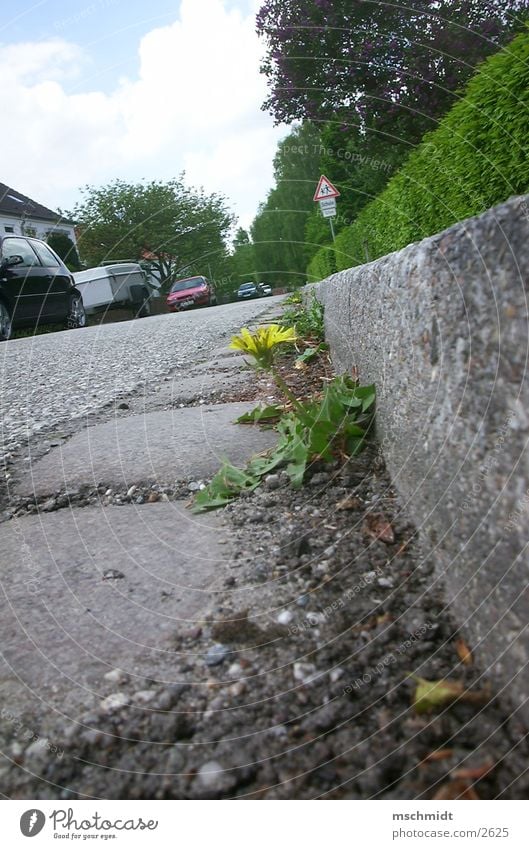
(131, 491)
(209, 773)
(116, 676)
(386, 582)
(49, 505)
(114, 702)
(285, 617)
(144, 696)
(271, 482)
(193, 486)
(112, 574)
(336, 674)
(304, 672)
(217, 654)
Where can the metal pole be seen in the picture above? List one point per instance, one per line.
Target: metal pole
(332, 229)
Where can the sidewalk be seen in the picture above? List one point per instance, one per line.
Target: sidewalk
(261, 651)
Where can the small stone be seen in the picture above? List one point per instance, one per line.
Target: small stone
(123, 406)
(112, 575)
(230, 581)
(114, 702)
(237, 689)
(305, 672)
(336, 674)
(116, 676)
(271, 482)
(209, 773)
(36, 751)
(108, 492)
(217, 654)
(153, 496)
(144, 696)
(285, 617)
(49, 505)
(303, 600)
(385, 582)
(319, 479)
(193, 486)
(131, 491)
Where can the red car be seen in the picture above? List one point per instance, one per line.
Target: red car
(191, 292)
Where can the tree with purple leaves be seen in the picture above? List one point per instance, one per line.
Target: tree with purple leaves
(389, 67)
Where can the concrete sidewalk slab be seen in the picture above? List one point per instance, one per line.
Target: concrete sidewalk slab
(64, 625)
(162, 446)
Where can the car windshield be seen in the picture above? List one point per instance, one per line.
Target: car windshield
(192, 283)
(246, 286)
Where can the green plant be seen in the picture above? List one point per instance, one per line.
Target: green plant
(307, 319)
(336, 425)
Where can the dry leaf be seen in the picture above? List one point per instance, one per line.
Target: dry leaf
(378, 527)
(456, 790)
(474, 773)
(437, 755)
(463, 652)
(430, 695)
(350, 502)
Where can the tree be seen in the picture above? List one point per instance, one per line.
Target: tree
(177, 229)
(65, 248)
(382, 66)
(278, 230)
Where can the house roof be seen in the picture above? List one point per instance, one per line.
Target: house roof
(14, 203)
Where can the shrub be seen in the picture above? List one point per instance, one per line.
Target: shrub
(476, 158)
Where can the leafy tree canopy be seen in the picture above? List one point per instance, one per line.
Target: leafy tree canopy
(178, 229)
(371, 63)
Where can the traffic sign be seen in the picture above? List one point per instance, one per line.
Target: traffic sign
(328, 207)
(325, 189)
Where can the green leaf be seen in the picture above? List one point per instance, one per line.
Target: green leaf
(259, 414)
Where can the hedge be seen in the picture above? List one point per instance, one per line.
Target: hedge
(322, 264)
(476, 158)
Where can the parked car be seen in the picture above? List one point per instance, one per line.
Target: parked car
(36, 288)
(116, 286)
(246, 291)
(264, 289)
(191, 292)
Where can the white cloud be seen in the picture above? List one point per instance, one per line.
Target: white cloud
(195, 103)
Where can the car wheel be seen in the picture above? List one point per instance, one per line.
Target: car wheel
(76, 314)
(5, 323)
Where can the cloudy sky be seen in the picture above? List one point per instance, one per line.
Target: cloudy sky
(98, 89)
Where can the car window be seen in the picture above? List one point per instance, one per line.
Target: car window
(19, 247)
(182, 285)
(46, 257)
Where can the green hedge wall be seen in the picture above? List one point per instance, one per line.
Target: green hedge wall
(322, 264)
(476, 158)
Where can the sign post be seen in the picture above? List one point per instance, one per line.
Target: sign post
(326, 195)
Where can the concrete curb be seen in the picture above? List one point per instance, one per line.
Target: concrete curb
(441, 327)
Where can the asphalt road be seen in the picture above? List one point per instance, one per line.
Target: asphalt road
(55, 378)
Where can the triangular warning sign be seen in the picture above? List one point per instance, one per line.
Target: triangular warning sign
(326, 189)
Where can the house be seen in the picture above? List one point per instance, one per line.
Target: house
(22, 216)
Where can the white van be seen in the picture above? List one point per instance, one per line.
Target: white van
(123, 284)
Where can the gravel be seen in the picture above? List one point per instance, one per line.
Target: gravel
(313, 643)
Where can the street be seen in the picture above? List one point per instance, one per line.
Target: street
(52, 379)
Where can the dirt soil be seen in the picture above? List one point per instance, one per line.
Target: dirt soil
(298, 684)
